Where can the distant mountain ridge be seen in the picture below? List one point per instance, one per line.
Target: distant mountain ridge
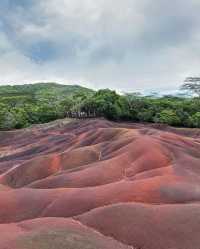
(30, 89)
(167, 91)
(63, 90)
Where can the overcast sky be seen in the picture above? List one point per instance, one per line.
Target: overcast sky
(127, 45)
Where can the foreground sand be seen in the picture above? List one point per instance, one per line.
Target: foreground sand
(94, 184)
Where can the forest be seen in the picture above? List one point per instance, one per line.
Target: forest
(24, 105)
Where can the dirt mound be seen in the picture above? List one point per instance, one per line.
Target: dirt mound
(51, 233)
(148, 226)
(142, 177)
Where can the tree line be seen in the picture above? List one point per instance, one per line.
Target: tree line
(21, 109)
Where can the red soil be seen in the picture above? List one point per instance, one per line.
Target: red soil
(138, 184)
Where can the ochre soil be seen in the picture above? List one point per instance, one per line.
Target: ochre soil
(95, 184)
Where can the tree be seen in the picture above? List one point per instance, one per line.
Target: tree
(21, 117)
(192, 84)
(46, 113)
(195, 119)
(125, 113)
(107, 104)
(7, 118)
(167, 117)
(184, 116)
(146, 115)
(66, 106)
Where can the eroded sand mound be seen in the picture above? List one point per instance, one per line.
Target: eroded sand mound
(107, 185)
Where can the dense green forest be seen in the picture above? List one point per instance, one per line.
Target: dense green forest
(23, 105)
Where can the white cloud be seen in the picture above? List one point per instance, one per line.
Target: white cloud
(126, 45)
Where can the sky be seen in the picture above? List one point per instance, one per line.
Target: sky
(127, 45)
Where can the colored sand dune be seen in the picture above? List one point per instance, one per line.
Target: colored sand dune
(96, 184)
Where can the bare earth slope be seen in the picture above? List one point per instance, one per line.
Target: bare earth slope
(95, 184)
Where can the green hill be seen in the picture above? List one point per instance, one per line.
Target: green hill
(22, 105)
(38, 88)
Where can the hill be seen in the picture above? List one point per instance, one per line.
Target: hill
(38, 88)
(23, 105)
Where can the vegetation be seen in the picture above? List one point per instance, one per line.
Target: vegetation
(23, 105)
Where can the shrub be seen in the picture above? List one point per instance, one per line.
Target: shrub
(167, 117)
(195, 120)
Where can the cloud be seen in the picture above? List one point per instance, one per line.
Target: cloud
(125, 45)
